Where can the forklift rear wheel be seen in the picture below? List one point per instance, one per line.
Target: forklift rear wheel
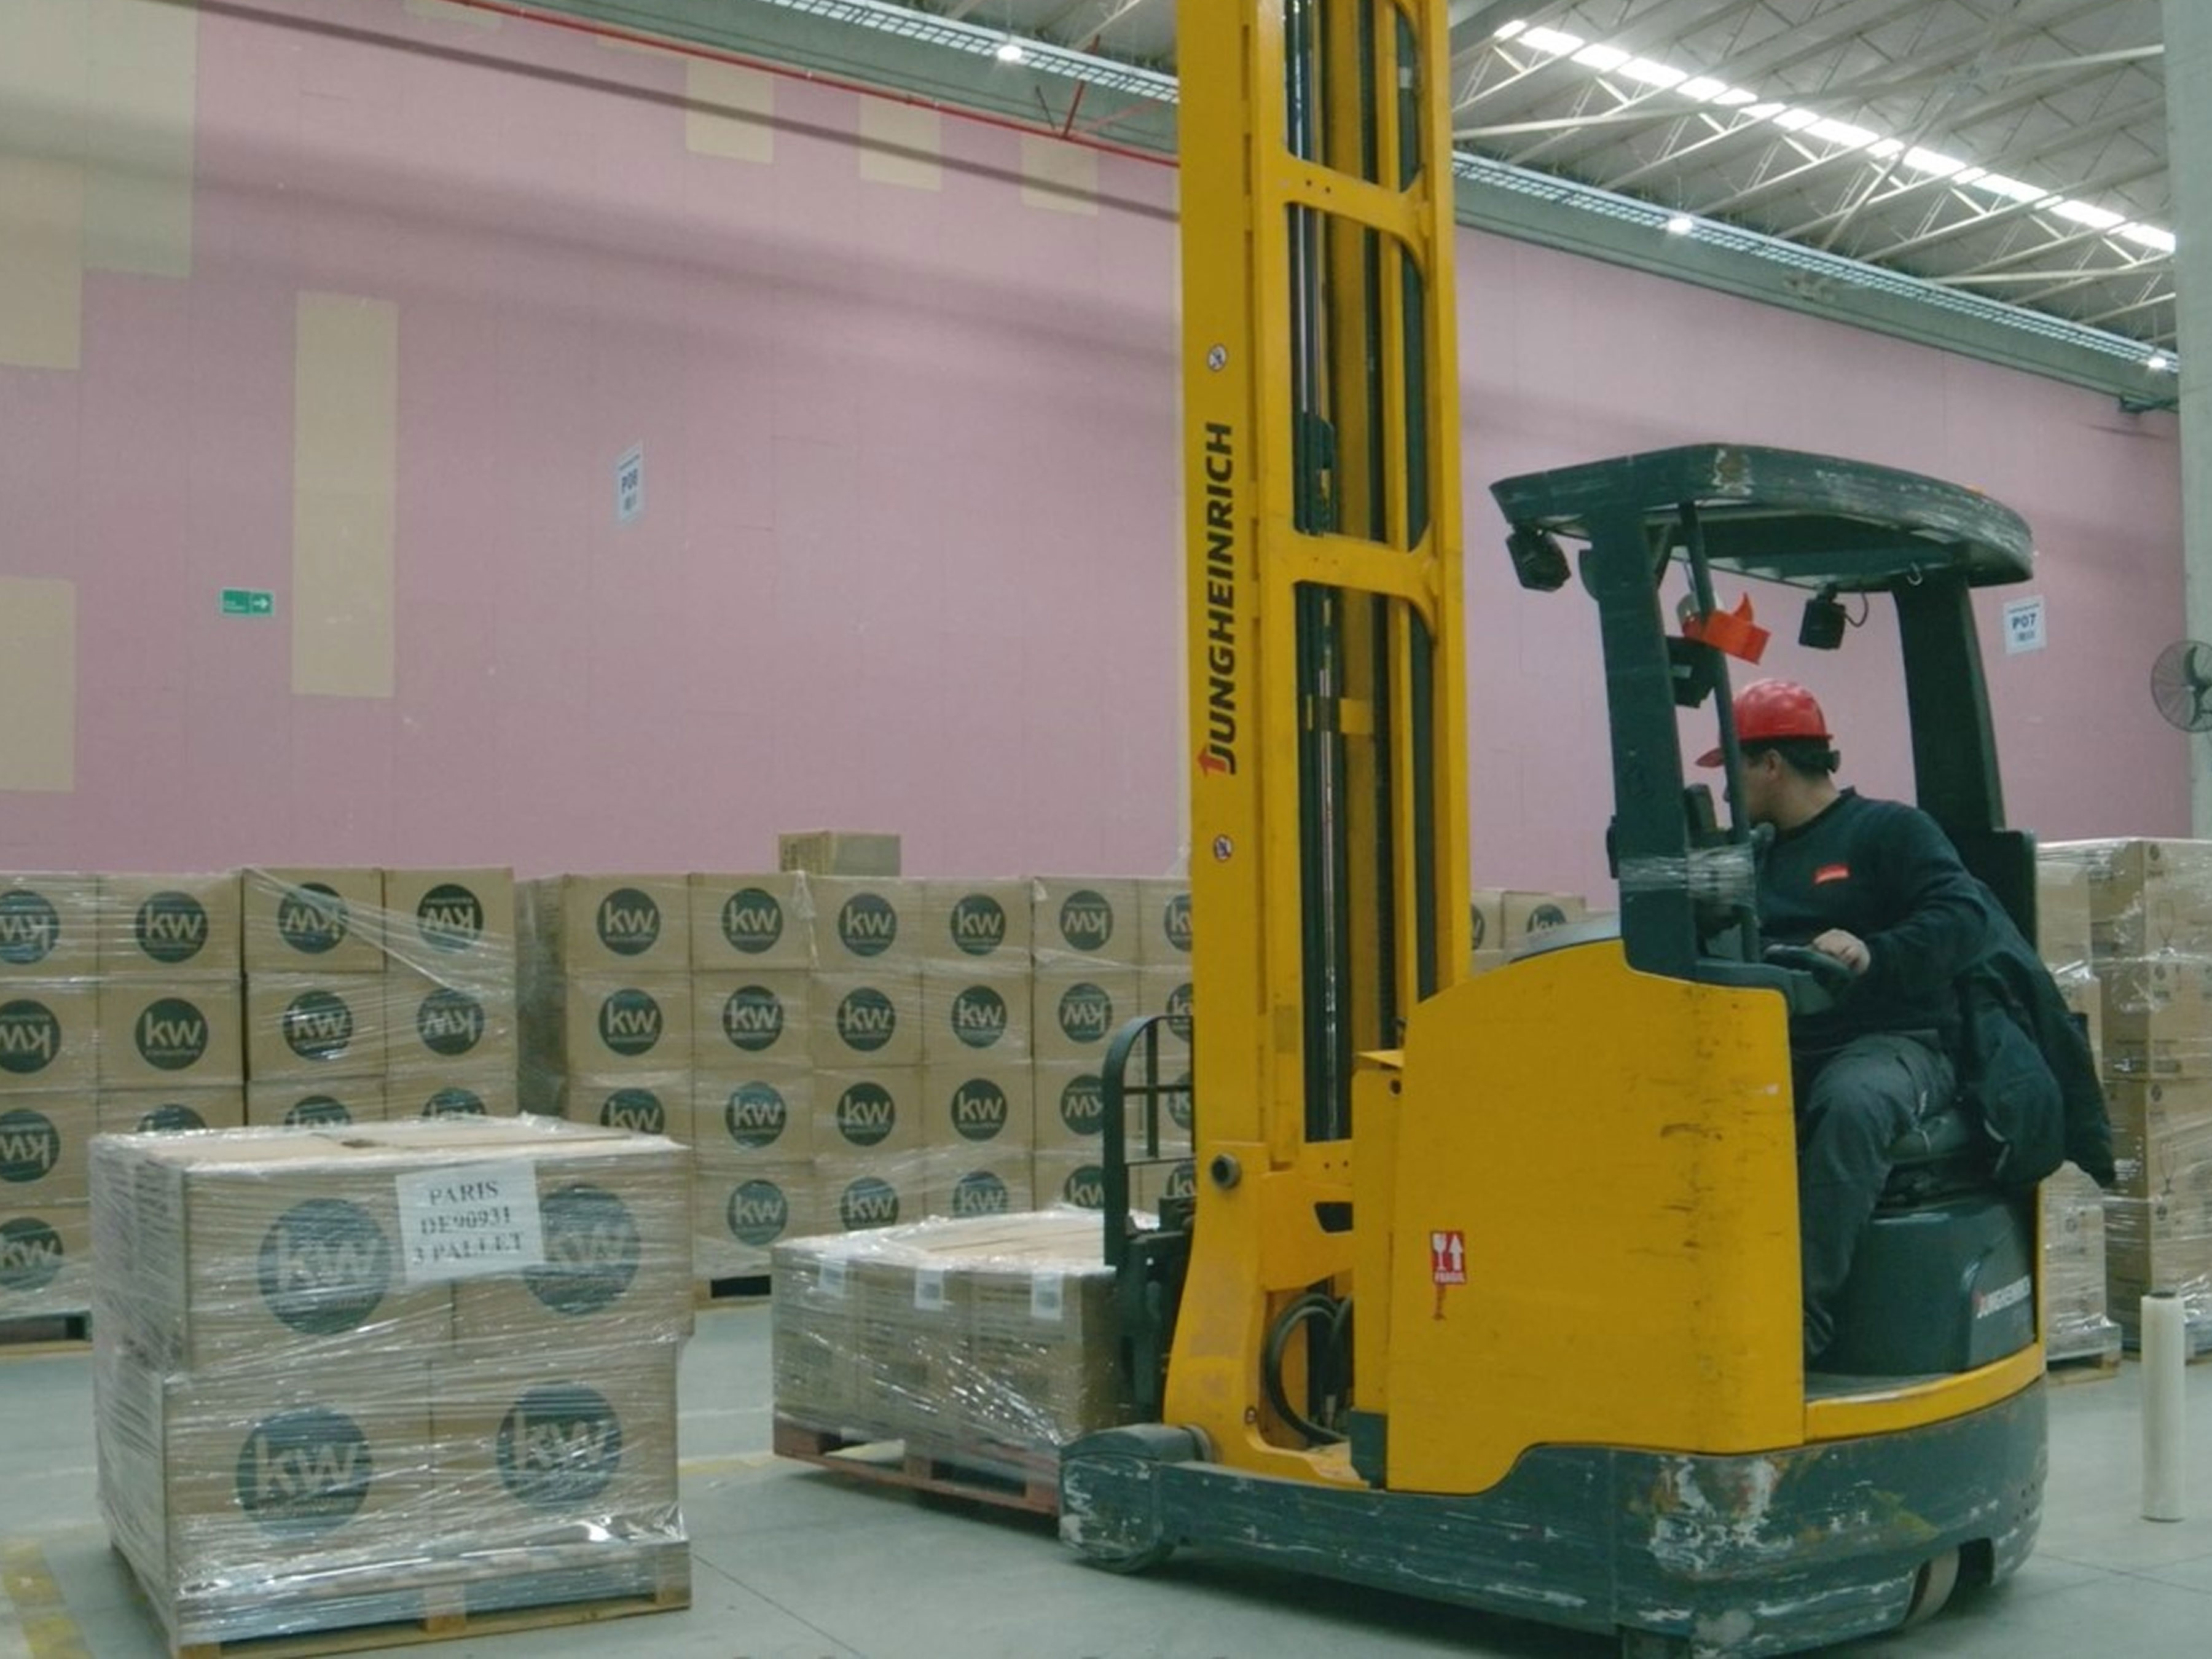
(1131, 1561)
(1938, 1577)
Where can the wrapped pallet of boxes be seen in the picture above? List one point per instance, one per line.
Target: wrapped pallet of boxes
(2077, 1322)
(605, 964)
(990, 1343)
(415, 1371)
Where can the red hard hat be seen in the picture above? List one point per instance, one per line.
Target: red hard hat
(1769, 710)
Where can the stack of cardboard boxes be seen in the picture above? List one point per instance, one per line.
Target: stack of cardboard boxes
(1505, 919)
(407, 1370)
(2150, 912)
(2076, 1323)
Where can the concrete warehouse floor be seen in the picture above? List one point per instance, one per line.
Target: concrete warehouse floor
(791, 1562)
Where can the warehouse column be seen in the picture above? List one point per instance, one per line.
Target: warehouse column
(2188, 160)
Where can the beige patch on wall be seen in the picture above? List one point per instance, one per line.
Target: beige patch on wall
(901, 145)
(730, 111)
(38, 685)
(141, 96)
(345, 434)
(44, 49)
(1058, 178)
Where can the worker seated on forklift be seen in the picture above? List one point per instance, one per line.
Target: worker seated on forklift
(1876, 885)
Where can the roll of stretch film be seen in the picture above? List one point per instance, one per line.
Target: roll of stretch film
(2164, 1427)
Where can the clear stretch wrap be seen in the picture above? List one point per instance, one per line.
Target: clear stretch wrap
(2076, 1322)
(996, 1338)
(1715, 877)
(389, 1372)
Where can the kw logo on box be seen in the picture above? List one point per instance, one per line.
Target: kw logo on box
(317, 1025)
(979, 924)
(317, 1108)
(756, 1115)
(305, 1471)
(980, 1109)
(629, 922)
(629, 1023)
(592, 1251)
(325, 1266)
(1177, 1099)
(752, 920)
(1182, 1180)
(979, 1016)
(866, 1114)
(30, 1036)
(636, 1110)
(1083, 1105)
(867, 925)
(450, 1021)
(32, 1254)
(752, 1019)
(30, 1145)
(450, 917)
(980, 1193)
(1178, 1012)
(1175, 921)
(1086, 1013)
(171, 927)
(454, 1102)
(560, 1444)
(867, 1202)
(1085, 1187)
(30, 927)
(172, 1035)
(866, 1020)
(758, 1212)
(170, 1118)
(1087, 921)
(312, 919)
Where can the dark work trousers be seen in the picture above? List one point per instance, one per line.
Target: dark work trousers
(1853, 1102)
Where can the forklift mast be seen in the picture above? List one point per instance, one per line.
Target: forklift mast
(1329, 817)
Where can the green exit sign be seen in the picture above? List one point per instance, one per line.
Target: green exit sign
(248, 602)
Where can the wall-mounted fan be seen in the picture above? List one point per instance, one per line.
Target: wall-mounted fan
(2181, 685)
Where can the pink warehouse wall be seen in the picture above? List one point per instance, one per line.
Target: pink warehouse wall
(907, 557)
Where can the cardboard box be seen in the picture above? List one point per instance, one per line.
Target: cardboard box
(2157, 1016)
(615, 1025)
(868, 1019)
(967, 1182)
(740, 923)
(155, 1111)
(740, 1214)
(48, 1034)
(876, 1115)
(977, 1110)
(557, 1449)
(857, 1195)
(299, 1028)
(48, 926)
(1168, 991)
(1066, 1175)
(813, 1338)
(43, 1149)
(321, 922)
(1177, 1178)
(1163, 918)
(1084, 919)
(163, 1035)
(743, 1020)
(46, 1259)
(463, 1092)
(1076, 1011)
(171, 927)
(2146, 896)
(974, 1014)
(1041, 1344)
(2063, 927)
(450, 1025)
(866, 926)
(982, 923)
(612, 925)
(1505, 918)
(319, 1103)
(648, 1102)
(765, 1116)
(2084, 996)
(457, 925)
(2161, 1135)
(838, 852)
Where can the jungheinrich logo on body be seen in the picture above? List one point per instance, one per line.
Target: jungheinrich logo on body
(629, 1023)
(978, 925)
(755, 1114)
(326, 1267)
(758, 1213)
(306, 1471)
(449, 917)
(30, 1036)
(171, 1035)
(560, 1444)
(628, 922)
(867, 925)
(1220, 458)
(32, 1254)
(30, 928)
(171, 927)
(312, 919)
(592, 1250)
(637, 1110)
(752, 920)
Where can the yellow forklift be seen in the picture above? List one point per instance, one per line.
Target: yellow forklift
(1488, 1289)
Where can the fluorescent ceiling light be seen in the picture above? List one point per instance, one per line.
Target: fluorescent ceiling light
(2147, 236)
(1762, 112)
(1886, 147)
(1654, 75)
(1507, 31)
(1680, 225)
(1602, 58)
(1705, 87)
(1842, 132)
(2158, 363)
(1554, 41)
(2081, 213)
(1928, 161)
(1011, 53)
(1793, 120)
(1735, 98)
(2016, 189)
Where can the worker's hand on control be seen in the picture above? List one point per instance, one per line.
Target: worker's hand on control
(1847, 948)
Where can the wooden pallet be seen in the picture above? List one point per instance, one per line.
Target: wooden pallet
(2093, 1366)
(730, 1292)
(1008, 1477)
(24, 1335)
(444, 1617)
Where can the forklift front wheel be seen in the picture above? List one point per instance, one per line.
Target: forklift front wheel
(1132, 1562)
(1938, 1577)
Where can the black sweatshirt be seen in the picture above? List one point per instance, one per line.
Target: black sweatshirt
(1887, 872)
